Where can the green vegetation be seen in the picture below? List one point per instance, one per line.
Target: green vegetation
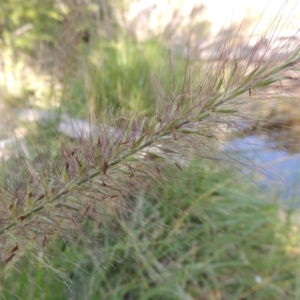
(203, 237)
(117, 74)
(143, 206)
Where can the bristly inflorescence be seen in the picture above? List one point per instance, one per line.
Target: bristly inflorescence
(98, 167)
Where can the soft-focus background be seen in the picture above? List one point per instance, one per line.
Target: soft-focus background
(227, 231)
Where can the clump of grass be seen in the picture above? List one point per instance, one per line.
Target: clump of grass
(207, 238)
(112, 159)
(101, 175)
(116, 74)
(204, 240)
(113, 162)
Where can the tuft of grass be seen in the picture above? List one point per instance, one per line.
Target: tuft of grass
(160, 232)
(117, 74)
(91, 176)
(207, 239)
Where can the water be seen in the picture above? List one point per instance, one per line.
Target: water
(273, 168)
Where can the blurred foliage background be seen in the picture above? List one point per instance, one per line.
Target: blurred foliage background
(53, 50)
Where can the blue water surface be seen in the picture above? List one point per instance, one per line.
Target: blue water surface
(272, 168)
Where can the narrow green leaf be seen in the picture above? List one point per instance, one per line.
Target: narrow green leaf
(188, 131)
(219, 84)
(250, 76)
(138, 142)
(265, 83)
(73, 199)
(29, 203)
(203, 116)
(236, 93)
(47, 220)
(172, 125)
(225, 111)
(155, 155)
